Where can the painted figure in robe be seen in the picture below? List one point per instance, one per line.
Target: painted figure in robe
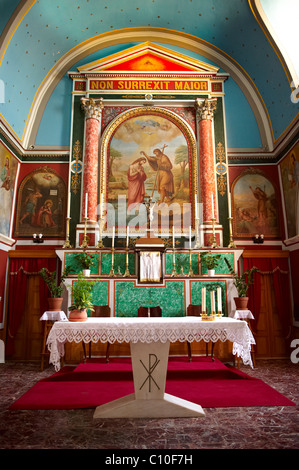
(163, 166)
(136, 178)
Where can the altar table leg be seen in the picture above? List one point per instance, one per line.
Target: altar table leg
(149, 362)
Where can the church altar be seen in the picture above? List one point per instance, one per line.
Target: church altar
(125, 294)
(149, 339)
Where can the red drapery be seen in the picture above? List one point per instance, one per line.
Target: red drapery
(278, 268)
(20, 269)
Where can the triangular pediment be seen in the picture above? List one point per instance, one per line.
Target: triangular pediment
(148, 57)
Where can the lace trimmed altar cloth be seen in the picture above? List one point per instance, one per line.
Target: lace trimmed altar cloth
(148, 330)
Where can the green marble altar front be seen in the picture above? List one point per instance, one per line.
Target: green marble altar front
(129, 297)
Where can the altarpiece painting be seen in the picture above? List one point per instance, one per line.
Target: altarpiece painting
(150, 158)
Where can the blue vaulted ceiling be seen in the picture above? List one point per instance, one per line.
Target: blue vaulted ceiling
(37, 36)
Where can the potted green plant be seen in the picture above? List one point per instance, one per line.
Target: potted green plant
(55, 288)
(81, 298)
(242, 284)
(86, 261)
(210, 261)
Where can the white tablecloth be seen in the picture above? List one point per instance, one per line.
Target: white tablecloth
(147, 330)
(242, 314)
(51, 315)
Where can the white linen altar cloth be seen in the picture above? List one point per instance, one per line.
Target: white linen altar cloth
(147, 330)
(242, 315)
(54, 315)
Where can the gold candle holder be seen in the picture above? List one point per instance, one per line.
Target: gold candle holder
(190, 264)
(174, 273)
(84, 242)
(100, 242)
(197, 243)
(231, 241)
(214, 243)
(219, 314)
(206, 317)
(127, 272)
(112, 263)
(67, 240)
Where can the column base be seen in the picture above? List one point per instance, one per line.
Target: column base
(167, 407)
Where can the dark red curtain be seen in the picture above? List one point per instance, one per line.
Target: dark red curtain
(278, 268)
(20, 269)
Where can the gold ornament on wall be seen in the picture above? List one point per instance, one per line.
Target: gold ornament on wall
(221, 169)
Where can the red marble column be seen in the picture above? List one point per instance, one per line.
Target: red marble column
(93, 112)
(205, 110)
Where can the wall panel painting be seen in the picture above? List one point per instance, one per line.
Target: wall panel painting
(150, 158)
(8, 172)
(289, 170)
(41, 206)
(254, 205)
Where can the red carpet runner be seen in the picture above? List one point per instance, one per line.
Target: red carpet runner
(207, 383)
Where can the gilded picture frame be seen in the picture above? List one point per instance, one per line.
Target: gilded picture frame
(254, 205)
(9, 168)
(130, 147)
(41, 204)
(289, 171)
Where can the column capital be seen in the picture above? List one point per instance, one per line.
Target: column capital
(92, 108)
(205, 108)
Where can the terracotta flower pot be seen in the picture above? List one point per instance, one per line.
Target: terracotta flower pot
(55, 304)
(241, 303)
(78, 315)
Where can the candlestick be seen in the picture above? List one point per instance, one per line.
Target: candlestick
(174, 273)
(229, 205)
(113, 236)
(84, 242)
(112, 263)
(213, 243)
(231, 241)
(100, 242)
(197, 242)
(86, 203)
(127, 272)
(173, 236)
(67, 241)
(196, 207)
(101, 205)
(213, 214)
(68, 204)
(127, 235)
(203, 300)
(190, 263)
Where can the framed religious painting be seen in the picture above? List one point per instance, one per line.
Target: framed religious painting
(41, 204)
(9, 166)
(149, 170)
(254, 205)
(289, 171)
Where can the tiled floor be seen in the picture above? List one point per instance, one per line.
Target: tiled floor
(221, 428)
